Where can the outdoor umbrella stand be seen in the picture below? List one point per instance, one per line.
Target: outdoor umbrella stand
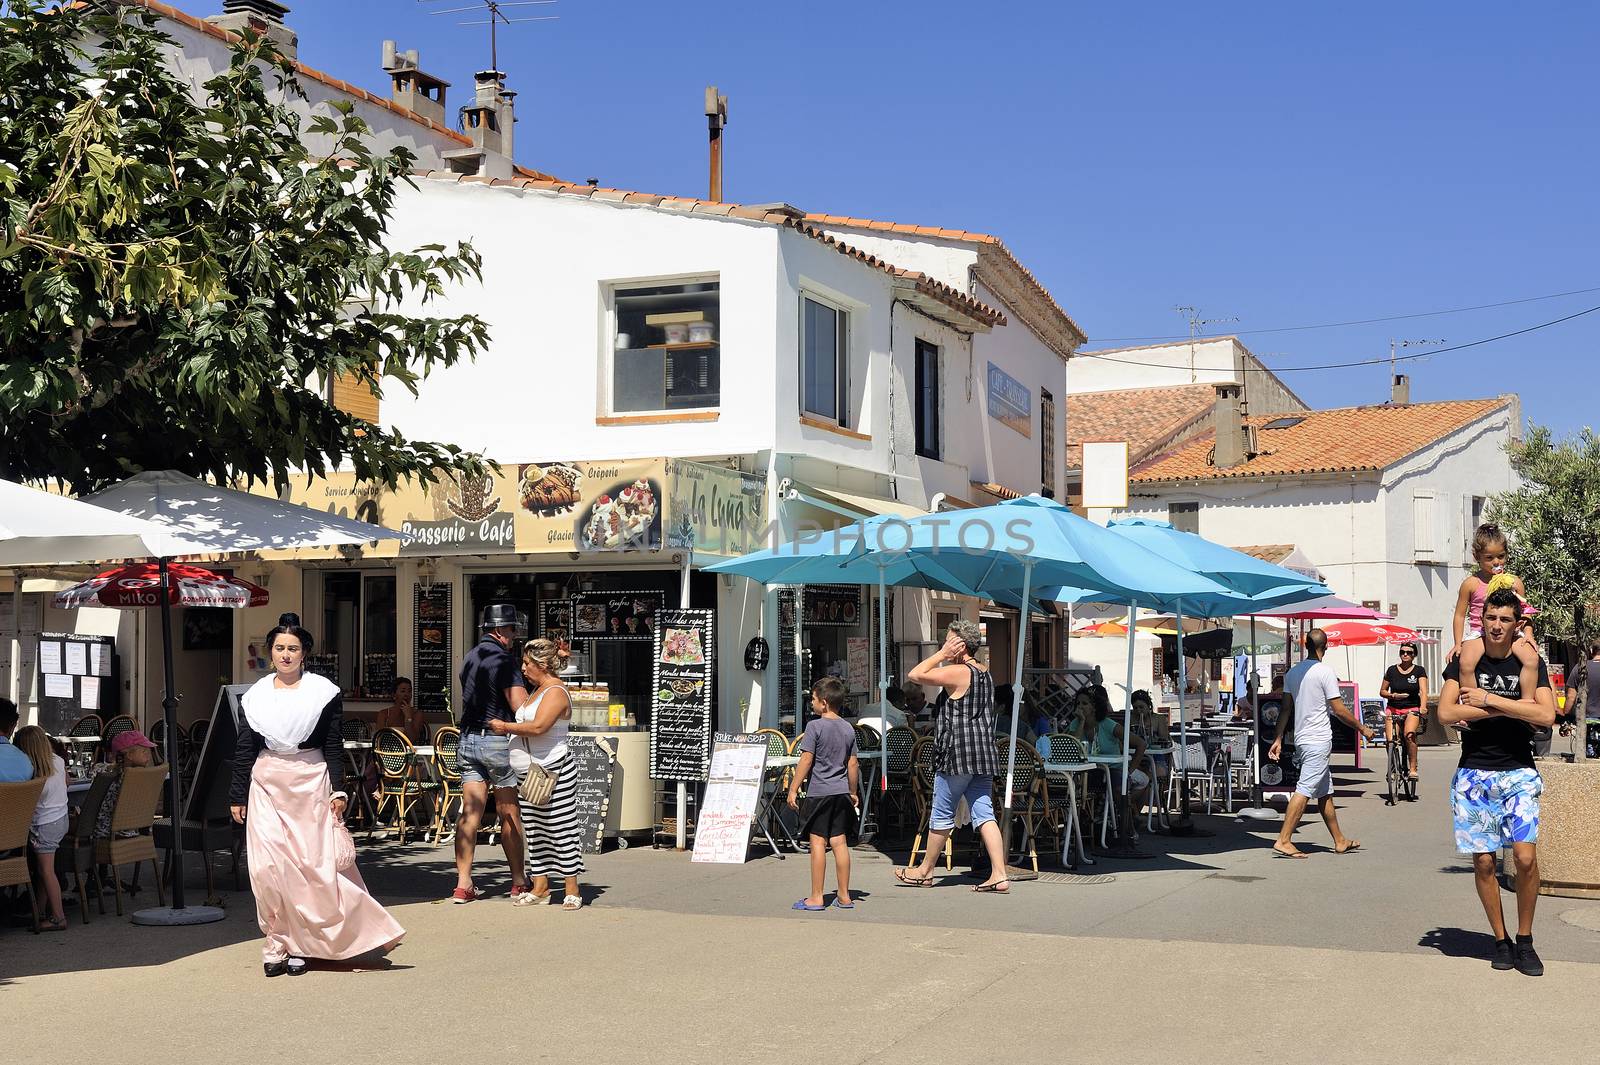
(1256, 811)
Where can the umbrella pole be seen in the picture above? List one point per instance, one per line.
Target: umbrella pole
(1127, 702)
(178, 913)
(1185, 825)
(1025, 622)
(1255, 811)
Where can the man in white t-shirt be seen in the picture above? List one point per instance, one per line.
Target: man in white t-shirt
(1311, 692)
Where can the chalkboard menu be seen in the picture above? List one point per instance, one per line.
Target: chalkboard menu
(377, 674)
(431, 647)
(324, 665)
(615, 615)
(596, 770)
(788, 692)
(555, 620)
(75, 675)
(832, 604)
(680, 698)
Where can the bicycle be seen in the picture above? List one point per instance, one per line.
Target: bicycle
(1398, 774)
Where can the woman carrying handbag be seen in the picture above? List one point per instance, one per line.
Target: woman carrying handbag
(547, 777)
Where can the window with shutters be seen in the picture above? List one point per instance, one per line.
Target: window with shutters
(1424, 535)
(355, 397)
(1047, 442)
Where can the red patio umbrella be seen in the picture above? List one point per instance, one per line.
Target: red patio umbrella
(139, 584)
(1369, 633)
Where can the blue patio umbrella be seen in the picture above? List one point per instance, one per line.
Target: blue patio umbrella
(1260, 584)
(1009, 550)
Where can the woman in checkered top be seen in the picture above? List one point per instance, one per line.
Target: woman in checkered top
(965, 759)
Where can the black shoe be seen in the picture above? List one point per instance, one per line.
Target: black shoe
(275, 968)
(1502, 954)
(1528, 963)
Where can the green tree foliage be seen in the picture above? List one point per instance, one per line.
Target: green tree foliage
(1553, 522)
(180, 277)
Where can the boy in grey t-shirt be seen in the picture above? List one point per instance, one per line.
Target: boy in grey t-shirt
(828, 759)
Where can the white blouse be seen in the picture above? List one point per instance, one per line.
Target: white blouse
(547, 749)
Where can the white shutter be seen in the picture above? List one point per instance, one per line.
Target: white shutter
(1444, 530)
(1423, 536)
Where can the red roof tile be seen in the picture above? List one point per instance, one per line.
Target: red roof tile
(1349, 439)
(1145, 417)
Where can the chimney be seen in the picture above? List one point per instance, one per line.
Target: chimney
(422, 94)
(1400, 390)
(716, 119)
(1233, 446)
(487, 120)
(261, 17)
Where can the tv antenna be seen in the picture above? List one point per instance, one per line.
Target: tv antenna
(494, 18)
(1395, 345)
(1196, 325)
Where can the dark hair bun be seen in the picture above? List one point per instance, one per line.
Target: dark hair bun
(289, 619)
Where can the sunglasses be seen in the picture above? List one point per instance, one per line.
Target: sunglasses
(1408, 651)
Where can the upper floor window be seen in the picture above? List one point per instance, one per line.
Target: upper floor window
(928, 400)
(1185, 517)
(825, 377)
(1047, 442)
(666, 347)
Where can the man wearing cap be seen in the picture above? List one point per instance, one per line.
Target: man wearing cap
(131, 748)
(492, 689)
(14, 765)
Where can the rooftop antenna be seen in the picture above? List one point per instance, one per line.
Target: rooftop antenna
(494, 19)
(1196, 324)
(1395, 345)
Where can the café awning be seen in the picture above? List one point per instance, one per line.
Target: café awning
(852, 505)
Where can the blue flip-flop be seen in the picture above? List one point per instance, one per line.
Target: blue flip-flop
(844, 905)
(801, 905)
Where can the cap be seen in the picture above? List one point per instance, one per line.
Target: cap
(132, 738)
(499, 616)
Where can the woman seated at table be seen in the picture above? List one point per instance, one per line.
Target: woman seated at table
(402, 714)
(1108, 741)
(131, 748)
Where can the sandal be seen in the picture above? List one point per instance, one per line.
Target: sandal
(994, 888)
(52, 925)
(912, 881)
(572, 902)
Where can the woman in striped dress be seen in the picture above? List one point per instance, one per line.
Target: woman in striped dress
(540, 735)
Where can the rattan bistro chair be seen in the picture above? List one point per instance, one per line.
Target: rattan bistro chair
(75, 856)
(446, 745)
(135, 812)
(17, 802)
(1025, 778)
(398, 784)
(898, 744)
(922, 789)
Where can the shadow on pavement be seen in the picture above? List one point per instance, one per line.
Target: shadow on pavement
(1458, 942)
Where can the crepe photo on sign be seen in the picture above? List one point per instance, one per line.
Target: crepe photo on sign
(624, 516)
(548, 489)
(681, 647)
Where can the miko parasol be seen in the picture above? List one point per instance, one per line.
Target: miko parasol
(1370, 633)
(138, 584)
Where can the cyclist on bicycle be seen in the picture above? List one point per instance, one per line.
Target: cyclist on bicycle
(1405, 686)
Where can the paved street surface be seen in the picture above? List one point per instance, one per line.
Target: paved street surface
(1209, 951)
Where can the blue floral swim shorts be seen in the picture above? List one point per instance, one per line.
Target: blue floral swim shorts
(1494, 808)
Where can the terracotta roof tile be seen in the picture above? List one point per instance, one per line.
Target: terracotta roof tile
(1273, 553)
(1144, 417)
(1346, 440)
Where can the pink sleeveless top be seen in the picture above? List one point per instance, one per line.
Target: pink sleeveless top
(1475, 600)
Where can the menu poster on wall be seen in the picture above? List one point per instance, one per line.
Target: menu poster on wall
(377, 675)
(324, 665)
(77, 662)
(615, 615)
(788, 689)
(858, 663)
(680, 733)
(555, 620)
(832, 604)
(590, 506)
(431, 645)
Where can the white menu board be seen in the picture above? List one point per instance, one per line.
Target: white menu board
(733, 792)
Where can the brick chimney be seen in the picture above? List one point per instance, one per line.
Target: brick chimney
(262, 17)
(1234, 439)
(488, 121)
(419, 93)
(1400, 390)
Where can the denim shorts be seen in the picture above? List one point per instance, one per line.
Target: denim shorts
(46, 838)
(487, 758)
(1494, 808)
(1316, 775)
(977, 789)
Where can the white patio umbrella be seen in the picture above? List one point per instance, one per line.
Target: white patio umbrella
(218, 520)
(41, 529)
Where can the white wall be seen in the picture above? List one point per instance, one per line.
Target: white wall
(1207, 361)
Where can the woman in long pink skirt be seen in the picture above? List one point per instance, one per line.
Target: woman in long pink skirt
(288, 776)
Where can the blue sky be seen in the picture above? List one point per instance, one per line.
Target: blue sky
(1282, 163)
